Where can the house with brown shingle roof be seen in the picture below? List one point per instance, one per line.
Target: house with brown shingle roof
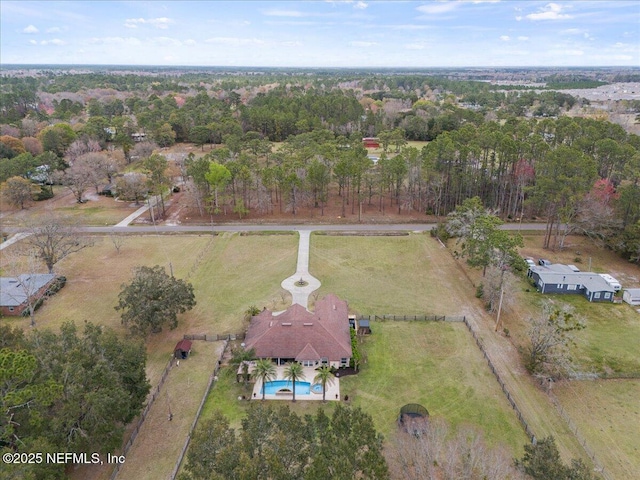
(309, 338)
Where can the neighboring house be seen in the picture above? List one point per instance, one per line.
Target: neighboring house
(319, 338)
(558, 278)
(632, 296)
(16, 291)
(371, 142)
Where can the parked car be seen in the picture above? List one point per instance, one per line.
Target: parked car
(530, 262)
(544, 262)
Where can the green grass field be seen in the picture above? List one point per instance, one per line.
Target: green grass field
(607, 413)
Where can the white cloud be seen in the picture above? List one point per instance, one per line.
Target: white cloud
(190, 41)
(291, 44)
(55, 30)
(55, 41)
(415, 46)
(161, 23)
(166, 42)
(438, 7)
(235, 41)
(360, 5)
(505, 38)
(551, 11)
(362, 44)
(33, 42)
(30, 29)
(283, 13)
(128, 41)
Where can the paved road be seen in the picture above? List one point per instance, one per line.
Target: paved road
(229, 227)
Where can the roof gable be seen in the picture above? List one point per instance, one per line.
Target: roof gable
(300, 334)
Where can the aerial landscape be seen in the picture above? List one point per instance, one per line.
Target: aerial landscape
(319, 240)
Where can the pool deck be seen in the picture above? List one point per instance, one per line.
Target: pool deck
(333, 389)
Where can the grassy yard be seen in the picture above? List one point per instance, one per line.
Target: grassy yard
(434, 364)
(159, 442)
(405, 275)
(607, 413)
(97, 210)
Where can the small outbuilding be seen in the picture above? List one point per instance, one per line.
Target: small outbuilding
(182, 350)
(632, 296)
(364, 327)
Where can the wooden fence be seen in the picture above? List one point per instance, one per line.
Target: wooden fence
(574, 429)
(212, 379)
(215, 338)
(505, 390)
(413, 318)
(143, 416)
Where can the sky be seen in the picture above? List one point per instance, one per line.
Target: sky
(330, 33)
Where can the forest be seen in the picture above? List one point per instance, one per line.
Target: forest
(277, 141)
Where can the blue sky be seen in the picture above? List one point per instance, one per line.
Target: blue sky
(447, 33)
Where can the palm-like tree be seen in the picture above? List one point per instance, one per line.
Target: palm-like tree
(264, 370)
(294, 373)
(241, 358)
(324, 377)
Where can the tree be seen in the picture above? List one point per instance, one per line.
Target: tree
(429, 450)
(156, 166)
(482, 242)
(77, 179)
(218, 177)
(549, 341)
(265, 371)
(132, 186)
(17, 191)
(21, 393)
(294, 373)
(154, 299)
(53, 238)
(563, 176)
(104, 385)
(275, 443)
(324, 377)
(542, 461)
(165, 136)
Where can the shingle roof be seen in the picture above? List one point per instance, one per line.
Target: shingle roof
(561, 274)
(14, 290)
(183, 345)
(303, 335)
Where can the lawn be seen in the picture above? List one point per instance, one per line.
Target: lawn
(607, 413)
(404, 275)
(434, 364)
(97, 210)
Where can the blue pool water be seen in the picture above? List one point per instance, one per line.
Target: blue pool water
(271, 388)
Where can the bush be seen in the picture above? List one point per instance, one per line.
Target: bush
(45, 193)
(480, 291)
(440, 232)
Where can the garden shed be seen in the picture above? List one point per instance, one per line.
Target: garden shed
(632, 296)
(182, 350)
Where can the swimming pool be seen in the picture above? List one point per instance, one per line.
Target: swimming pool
(271, 388)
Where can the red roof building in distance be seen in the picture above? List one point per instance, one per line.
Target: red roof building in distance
(371, 142)
(312, 339)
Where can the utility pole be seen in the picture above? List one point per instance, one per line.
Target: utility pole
(499, 307)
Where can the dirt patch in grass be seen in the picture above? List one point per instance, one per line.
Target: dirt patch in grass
(607, 413)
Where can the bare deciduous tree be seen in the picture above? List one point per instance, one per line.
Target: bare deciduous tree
(433, 453)
(132, 186)
(16, 191)
(550, 336)
(53, 238)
